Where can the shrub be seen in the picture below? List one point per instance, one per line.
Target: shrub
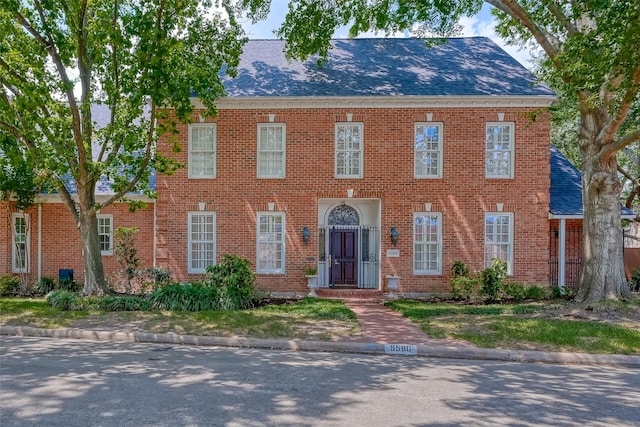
(515, 291)
(464, 287)
(189, 297)
(536, 292)
(634, 283)
(459, 269)
(492, 278)
(561, 292)
(65, 300)
(235, 280)
(9, 285)
(123, 303)
(45, 285)
(69, 285)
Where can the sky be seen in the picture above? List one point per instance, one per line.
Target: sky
(479, 25)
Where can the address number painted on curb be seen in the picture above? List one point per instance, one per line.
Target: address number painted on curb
(405, 349)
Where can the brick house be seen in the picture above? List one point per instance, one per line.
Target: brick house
(319, 166)
(392, 159)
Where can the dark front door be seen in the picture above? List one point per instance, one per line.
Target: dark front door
(344, 256)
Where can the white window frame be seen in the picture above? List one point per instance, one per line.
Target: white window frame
(492, 245)
(417, 243)
(489, 153)
(359, 152)
(15, 267)
(212, 151)
(204, 263)
(418, 153)
(103, 217)
(263, 154)
(267, 240)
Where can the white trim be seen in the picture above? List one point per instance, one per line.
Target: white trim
(39, 241)
(281, 242)
(213, 127)
(360, 173)
(99, 198)
(562, 236)
(440, 151)
(190, 215)
(511, 243)
(284, 150)
(552, 216)
(99, 217)
(299, 102)
(438, 270)
(512, 141)
(27, 243)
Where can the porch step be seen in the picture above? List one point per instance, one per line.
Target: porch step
(372, 296)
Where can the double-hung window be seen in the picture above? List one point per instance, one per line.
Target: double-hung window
(499, 150)
(427, 243)
(270, 238)
(202, 150)
(202, 241)
(427, 152)
(20, 239)
(349, 150)
(105, 234)
(498, 239)
(271, 150)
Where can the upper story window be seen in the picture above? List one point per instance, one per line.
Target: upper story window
(271, 150)
(270, 257)
(202, 150)
(201, 252)
(427, 243)
(20, 239)
(498, 239)
(105, 234)
(499, 150)
(349, 150)
(427, 150)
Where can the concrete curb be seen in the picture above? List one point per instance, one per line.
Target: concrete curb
(421, 350)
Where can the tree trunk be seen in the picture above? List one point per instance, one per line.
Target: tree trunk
(94, 281)
(602, 261)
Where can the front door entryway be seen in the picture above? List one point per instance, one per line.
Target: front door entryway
(344, 257)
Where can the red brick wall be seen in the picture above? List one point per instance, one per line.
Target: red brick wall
(61, 247)
(463, 195)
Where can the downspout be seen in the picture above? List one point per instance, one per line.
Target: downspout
(155, 232)
(39, 241)
(561, 252)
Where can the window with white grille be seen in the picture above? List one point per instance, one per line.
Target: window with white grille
(20, 242)
(427, 150)
(202, 150)
(271, 150)
(427, 243)
(202, 241)
(499, 150)
(498, 239)
(105, 234)
(270, 257)
(349, 150)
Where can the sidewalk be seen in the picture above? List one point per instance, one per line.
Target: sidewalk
(384, 331)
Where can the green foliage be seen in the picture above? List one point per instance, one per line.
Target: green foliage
(465, 287)
(459, 269)
(515, 291)
(492, 278)
(126, 252)
(9, 285)
(634, 283)
(234, 279)
(65, 300)
(536, 292)
(189, 297)
(69, 285)
(123, 303)
(45, 285)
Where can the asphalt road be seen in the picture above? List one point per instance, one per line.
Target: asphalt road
(57, 382)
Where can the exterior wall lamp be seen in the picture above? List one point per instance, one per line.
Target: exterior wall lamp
(306, 235)
(394, 236)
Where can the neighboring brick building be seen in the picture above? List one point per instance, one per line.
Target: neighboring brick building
(308, 166)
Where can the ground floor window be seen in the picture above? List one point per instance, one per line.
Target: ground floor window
(498, 239)
(202, 241)
(270, 257)
(105, 234)
(427, 243)
(20, 242)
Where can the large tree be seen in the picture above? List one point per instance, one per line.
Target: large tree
(592, 50)
(58, 58)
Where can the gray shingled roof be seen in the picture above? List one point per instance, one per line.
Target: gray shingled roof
(473, 66)
(566, 188)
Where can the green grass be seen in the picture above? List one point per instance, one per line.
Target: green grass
(523, 326)
(307, 319)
